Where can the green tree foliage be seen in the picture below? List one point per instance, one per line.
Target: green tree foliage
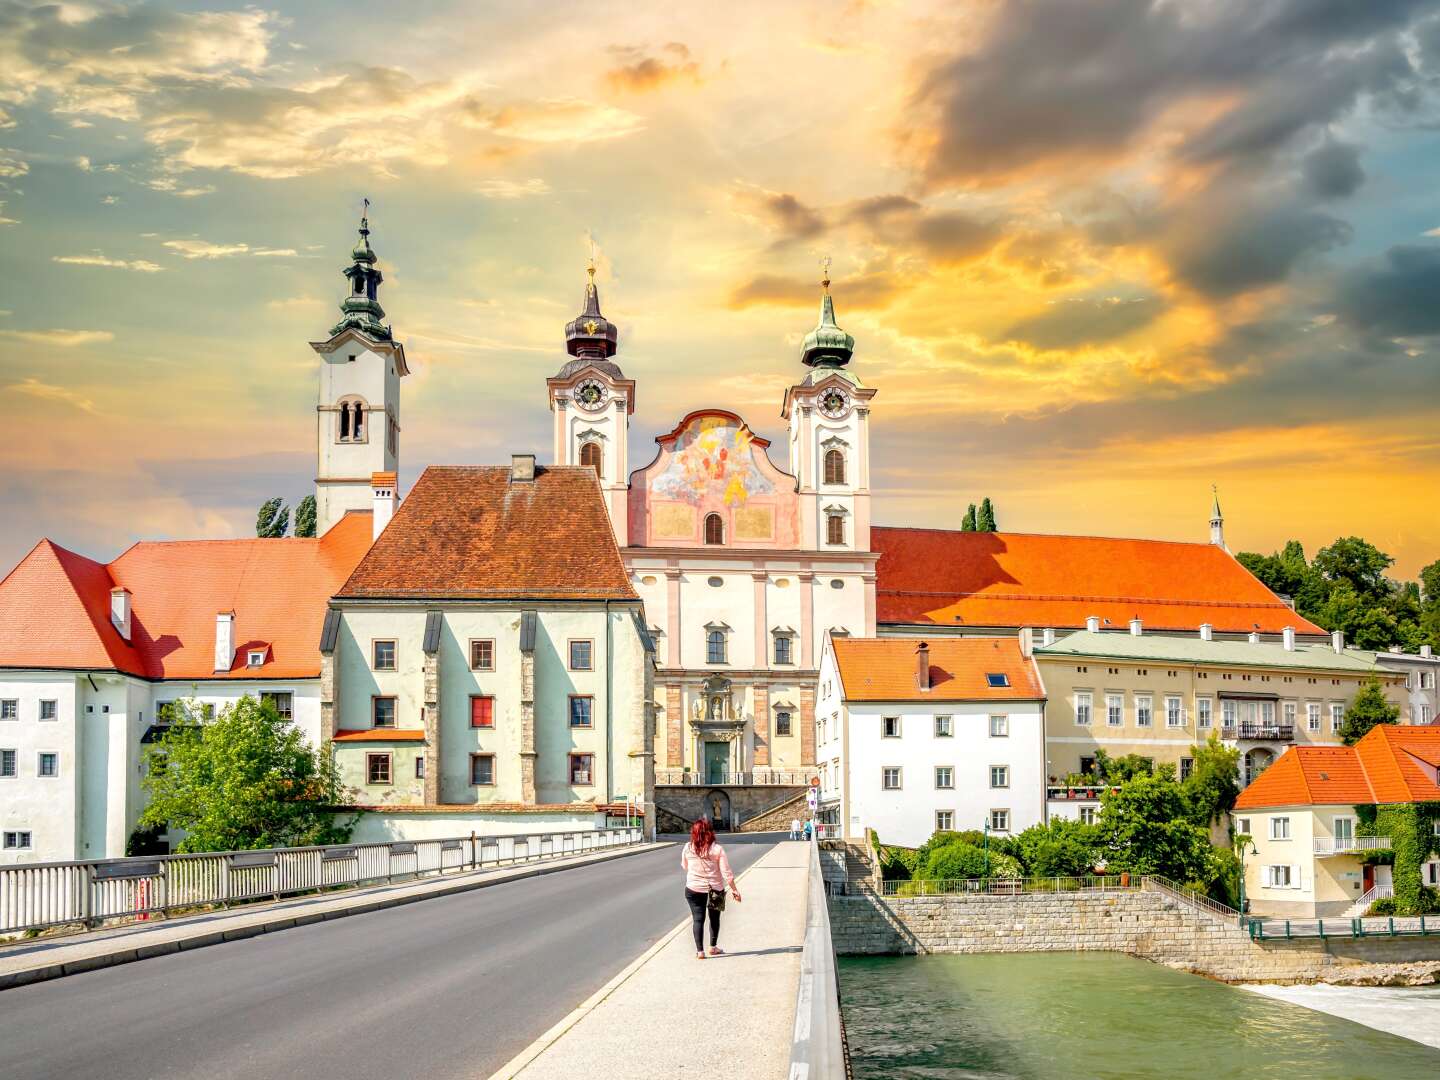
(246, 779)
(305, 516)
(985, 517)
(1411, 829)
(967, 523)
(1062, 848)
(1145, 828)
(273, 519)
(1367, 709)
(1117, 770)
(956, 860)
(1214, 781)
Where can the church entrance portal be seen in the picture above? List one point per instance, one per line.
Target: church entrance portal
(717, 762)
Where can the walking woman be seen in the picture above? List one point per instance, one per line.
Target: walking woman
(707, 873)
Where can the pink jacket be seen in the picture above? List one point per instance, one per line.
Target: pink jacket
(711, 872)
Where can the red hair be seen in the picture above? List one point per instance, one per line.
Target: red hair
(702, 835)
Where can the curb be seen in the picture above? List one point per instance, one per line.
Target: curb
(286, 921)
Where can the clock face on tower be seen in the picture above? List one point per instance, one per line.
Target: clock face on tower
(591, 394)
(834, 402)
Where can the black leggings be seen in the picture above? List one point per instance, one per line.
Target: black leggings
(699, 904)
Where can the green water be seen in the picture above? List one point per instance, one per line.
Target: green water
(1095, 1016)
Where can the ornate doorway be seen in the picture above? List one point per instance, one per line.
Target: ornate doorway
(717, 762)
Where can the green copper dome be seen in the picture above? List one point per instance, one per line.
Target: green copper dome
(827, 345)
(361, 310)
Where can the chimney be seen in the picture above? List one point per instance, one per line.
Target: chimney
(386, 495)
(1207, 632)
(1027, 641)
(224, 640)
(1093, 624)
(522, 468)
(1049, 636)
(1288, 638)
(1136, 628)
(1426, 651)
(120, 610)
(1337, 640)
(922, 664)
(1253, 637)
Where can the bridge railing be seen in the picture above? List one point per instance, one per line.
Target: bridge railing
(35, 896)
(817, 1048)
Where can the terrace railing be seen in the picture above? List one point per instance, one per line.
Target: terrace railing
(756, 778)
(1382, 926)
(1327, 845)
(35, 896)
(1011, 886)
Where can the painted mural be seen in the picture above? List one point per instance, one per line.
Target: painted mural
(713, 463)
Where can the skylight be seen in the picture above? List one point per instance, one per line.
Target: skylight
(995, 678)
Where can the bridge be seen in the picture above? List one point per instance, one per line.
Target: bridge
(537, 975)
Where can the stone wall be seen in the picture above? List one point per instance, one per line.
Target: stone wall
(1150, 925)
(678, 804)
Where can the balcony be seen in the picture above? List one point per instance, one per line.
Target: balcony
(756, 778)
(1326, 846)
(1256, 731)
(1084, 793)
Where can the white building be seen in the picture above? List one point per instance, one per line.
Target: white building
(915, 737)
(1422, 682)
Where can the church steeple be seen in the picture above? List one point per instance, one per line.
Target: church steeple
(590, 335)
(827, 346)
(1217, 519)
(361, 309)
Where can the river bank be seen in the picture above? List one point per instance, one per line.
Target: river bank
(1410, 1012)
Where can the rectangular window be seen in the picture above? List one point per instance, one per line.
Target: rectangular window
(47, 764)
(420, 767)
(715, 647)
(284, 704)
(890, 778)
(1288, 712)
(944, 777)
(1187, 766)
(382, 712)
(1087, 765)
(582, 712)
(944, 820)
(582, 769)
(1277, 877)
(482, 654)
(1203, 712)
(1267, 713)
(782, 722)
(944, 727)
(1425, 714)
(9, 708)
(1344, 828)
(782, 649)
(582, 656)
(1227, 714)
(1279, 828)
(999, 820)
(49, 710)
(1337, 715)
(999, 776)
(890, 727)
(1174, 715)
(1114, 709)
(482, 711)
(482, 770)
(377, 768)
(834, 529)
(1427, 680)
(1083, 705)
(1144, 710)
(999, 726)
(383, 658)
(1087, 815)
(996, 679)
(1312, 715)
(8, 767)
(1242, 826)
(14, 840)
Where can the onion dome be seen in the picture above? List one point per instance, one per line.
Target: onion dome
(590, 335)
(361, 310)
(827, 345)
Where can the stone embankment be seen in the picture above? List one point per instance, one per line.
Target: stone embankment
(1151, 925)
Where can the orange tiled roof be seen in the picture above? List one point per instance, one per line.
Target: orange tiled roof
(469, 532)
(1389, 765)
(1023, 579)
(55, 605)
(885, 669)
(380, 735)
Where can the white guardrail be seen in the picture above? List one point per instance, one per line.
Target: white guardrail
(35, 896)
(1327, 845)
(817, 1049)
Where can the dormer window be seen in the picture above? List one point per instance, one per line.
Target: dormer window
(714, 529)
(255, 657)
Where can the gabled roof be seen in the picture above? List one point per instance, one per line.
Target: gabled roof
(1191, 649)
(1393, 763)
(55, 605)
(886, 669)
(469, 532)
(999, 579)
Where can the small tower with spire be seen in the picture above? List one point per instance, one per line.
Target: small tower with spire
(357, 430)
(829, 415)
(591, 402)
(1217, 519)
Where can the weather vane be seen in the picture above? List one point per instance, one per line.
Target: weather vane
(825, 272)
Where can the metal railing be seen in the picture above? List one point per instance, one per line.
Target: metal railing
(35, 896)
(1085, 792)
(821, 831)
(1254, 729)
(1382, 926)
(1326, 845)
(1011, 886)
(1375, 892)
(817, 1047)
(1196, 899)
(753, 778)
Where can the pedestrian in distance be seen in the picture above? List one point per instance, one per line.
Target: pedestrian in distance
(795, 828)
(707, 873)
(809, 828)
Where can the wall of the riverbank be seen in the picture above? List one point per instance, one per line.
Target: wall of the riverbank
(1150, 925)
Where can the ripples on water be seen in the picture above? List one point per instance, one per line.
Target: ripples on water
(1097, 1016)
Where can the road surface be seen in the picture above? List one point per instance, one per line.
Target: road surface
(442, 988)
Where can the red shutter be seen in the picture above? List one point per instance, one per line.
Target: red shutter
(482, 712)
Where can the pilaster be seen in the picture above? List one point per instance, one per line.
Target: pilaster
(432, 728)
(807, 618)
(674, 726)
(762, 724)
(672, 617)
(807, 724)
(527, 727)
(329, 677)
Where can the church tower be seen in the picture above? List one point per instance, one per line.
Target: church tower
(592, 401)
(357, 431)
(829, 415)
(1217, 520)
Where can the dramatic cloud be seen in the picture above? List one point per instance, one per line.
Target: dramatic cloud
(780, 212)
(1072, 323)
(873, 290)
(1332, 170)
(64, 339)
(551, 120)
(639, 71)
(203, 249)
(1398, 295)
(98, 259)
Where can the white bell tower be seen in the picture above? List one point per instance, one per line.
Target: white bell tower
(357, 429)
(592, 401)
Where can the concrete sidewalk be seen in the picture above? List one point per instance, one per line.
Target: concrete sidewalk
(670, 1015)
(37, 959)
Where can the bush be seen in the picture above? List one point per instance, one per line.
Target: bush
(956, 860)
(1384, 906)
(1063, 848)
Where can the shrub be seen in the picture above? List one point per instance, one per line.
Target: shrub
(1063, 848)
(1384, 906)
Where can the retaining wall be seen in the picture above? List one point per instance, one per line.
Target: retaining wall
(1150, 925)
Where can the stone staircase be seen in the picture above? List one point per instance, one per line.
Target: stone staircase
(1377, 892)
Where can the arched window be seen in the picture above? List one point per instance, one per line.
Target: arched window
(834, 466)
(344, 423)
(592, 455)
(358, 424)
(351, 420)
(715, 646)
(714, 529)
(835, 528)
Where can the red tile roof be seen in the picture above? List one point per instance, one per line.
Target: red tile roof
(885, 669)
(380, 735)
(1001, 579)
(1391, 764)
(55, 605)
(470, 532)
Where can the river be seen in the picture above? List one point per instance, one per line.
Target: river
(1095, 1016)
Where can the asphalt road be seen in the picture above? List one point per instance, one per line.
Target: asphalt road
(443, 988)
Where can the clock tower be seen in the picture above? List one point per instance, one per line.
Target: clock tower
(829, 415)
(591, 401)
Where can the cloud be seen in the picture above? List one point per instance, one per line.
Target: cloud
(12, 166)
(638, 71)
(1332, 170)
(871, 290)
(1068, 324)
(946, 236)
(35, 388)
(83, 163)
(140, 265)
(550, 120)
(511, 189)
(204, 249)
(780, 212)
(1395, 295)
(172, 186)
(6, 120)
(64, 339)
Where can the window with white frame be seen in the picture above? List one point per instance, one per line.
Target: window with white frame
(17, 840)
(1427, 680)
(1267, 713)
(1204, 711)
(1174, 714)
(1087, 815)
(9, 708)
(1227, 714)
(49, 710)
(1312, 715)
(1187, 766)
(890, 778)
(1288, 711)
(1114, 709)
(1343, 827)
(1278, 877)
(1144, 710)
(999, 726)
(47, 764)
(9, 768)
(1242, 826)
(1279, 828)
(999, 776)
(944, 820)
(715, 651)
(1337, 715)
(944, 777)
(999, 820)
(1084, 703)
(944, 727)
(1426, 714)
(890, 727)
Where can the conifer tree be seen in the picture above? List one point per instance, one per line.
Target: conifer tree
(985, 519)
(273, 519)
(967, 524)
(305, 516)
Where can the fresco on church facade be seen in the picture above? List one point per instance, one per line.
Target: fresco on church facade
(712, 459)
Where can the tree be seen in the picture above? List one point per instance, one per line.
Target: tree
(273, 519)
(985, 519)
(1118, 770)
(1359, 563)
(1062, 848)
(1145, 828)
(246, 779)
(1214, 781)
(958, 860)
(305, 516)
(1368, 708)
(967, 524)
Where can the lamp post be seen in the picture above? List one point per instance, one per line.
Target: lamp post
(986, 848)
(1245, 841)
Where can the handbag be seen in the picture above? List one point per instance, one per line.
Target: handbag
(717, 900)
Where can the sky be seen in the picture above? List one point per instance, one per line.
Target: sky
(1098, 255)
